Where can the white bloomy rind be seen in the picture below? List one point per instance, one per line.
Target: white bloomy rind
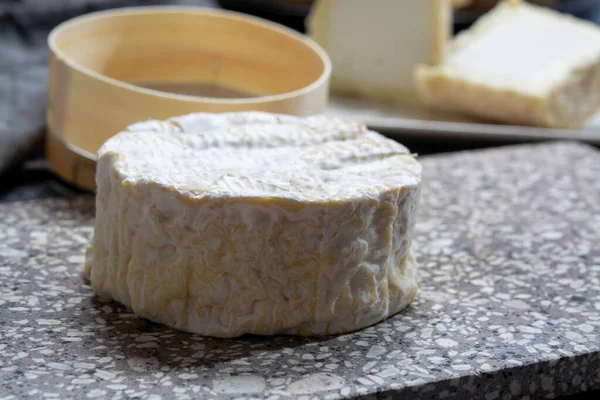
(226, 224)
(519, 64)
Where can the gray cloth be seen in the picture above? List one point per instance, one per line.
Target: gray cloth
(24, 27)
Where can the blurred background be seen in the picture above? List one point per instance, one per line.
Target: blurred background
(24, 27)
(292, 12)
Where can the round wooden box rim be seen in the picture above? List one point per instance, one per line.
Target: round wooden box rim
(73, 163)
(204, 12)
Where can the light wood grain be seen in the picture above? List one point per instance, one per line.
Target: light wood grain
(95, 59)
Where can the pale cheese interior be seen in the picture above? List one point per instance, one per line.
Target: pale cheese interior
(375, 45)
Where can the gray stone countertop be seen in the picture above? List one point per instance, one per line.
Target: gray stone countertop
(508, 307)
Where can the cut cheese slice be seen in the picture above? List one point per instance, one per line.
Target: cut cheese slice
(226, 224)
(374, 46)
(520, 64)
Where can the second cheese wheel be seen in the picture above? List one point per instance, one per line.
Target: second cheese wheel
(226, 224)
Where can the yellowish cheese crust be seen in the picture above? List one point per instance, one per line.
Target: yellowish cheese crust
(236, 223)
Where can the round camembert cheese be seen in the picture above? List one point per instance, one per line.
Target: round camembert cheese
(227, 224)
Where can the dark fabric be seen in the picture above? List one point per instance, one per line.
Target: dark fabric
(24, 27)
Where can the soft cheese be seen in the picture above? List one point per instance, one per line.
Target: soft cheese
(520, 64)
(226, 224)
(375, 45)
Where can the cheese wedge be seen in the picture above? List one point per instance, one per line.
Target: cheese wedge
(520, 64)
(226, 224)
(375, 45)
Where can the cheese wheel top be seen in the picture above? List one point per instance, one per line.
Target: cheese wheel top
(261, 155)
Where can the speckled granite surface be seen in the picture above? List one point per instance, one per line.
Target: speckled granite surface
(509, 306)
